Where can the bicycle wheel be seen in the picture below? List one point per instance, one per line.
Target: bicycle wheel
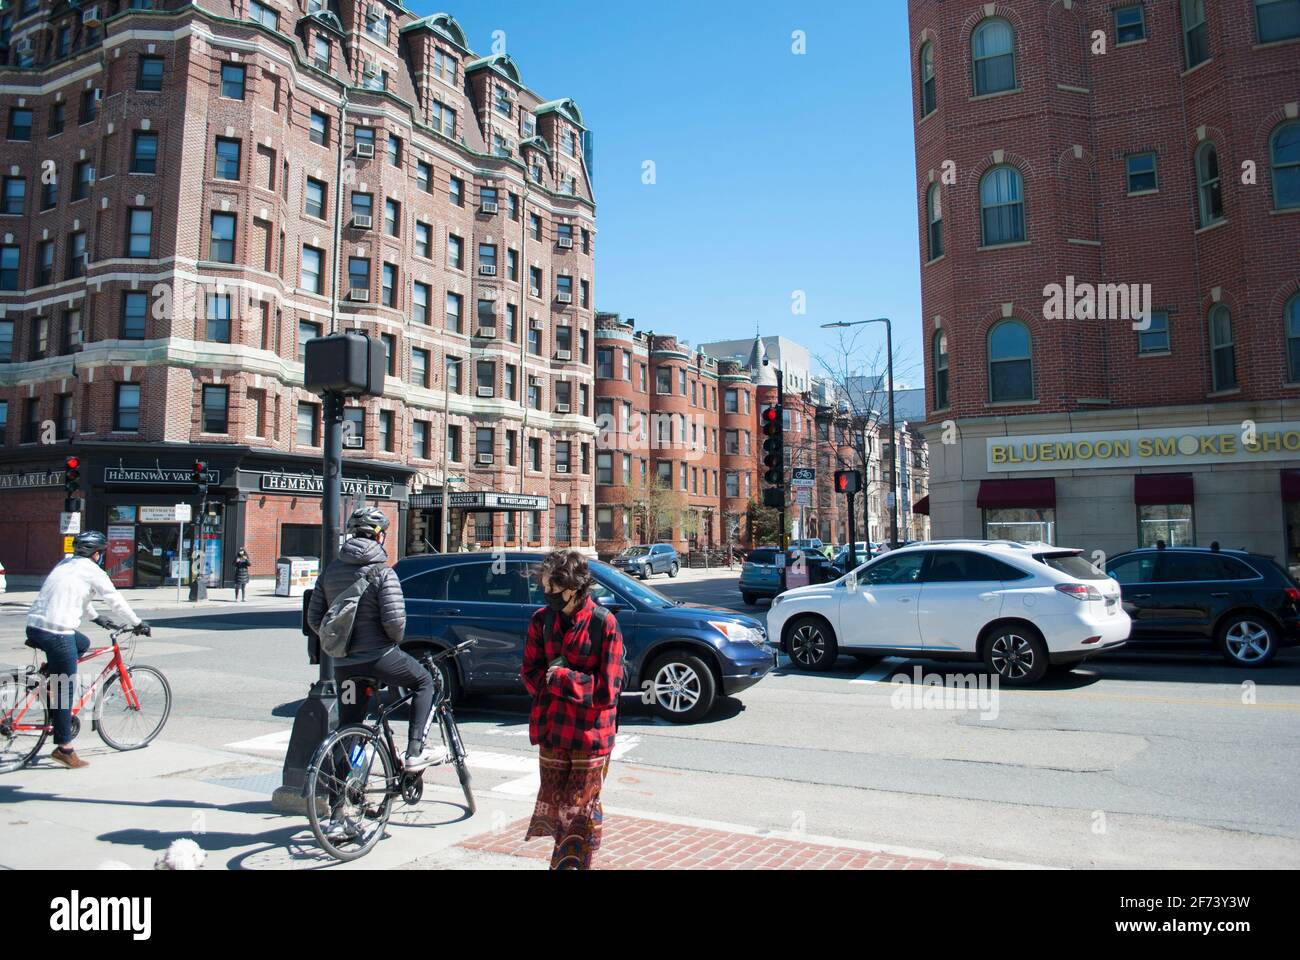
(24, 724)
(451, 737)
(350, 786)
(126, 726)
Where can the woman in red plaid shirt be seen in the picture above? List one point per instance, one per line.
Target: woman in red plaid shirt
(573, 667)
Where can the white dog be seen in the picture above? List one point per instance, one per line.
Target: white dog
(183, 854)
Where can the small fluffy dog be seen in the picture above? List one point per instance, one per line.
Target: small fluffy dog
(183, 854)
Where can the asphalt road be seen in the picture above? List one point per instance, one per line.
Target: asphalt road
(1170, 761)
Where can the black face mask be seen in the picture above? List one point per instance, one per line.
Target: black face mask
(556, 601)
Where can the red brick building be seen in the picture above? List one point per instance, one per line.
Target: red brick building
(192, 191)
(1108, 197)
(675, 460)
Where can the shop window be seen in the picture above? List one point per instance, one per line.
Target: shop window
(1021, 524)
(299, 540)
(1171, 523)
(1292, 536)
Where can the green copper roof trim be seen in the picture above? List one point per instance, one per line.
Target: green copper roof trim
(566, 106)
(502, 63)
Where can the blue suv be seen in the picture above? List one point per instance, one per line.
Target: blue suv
(679, 657)
(645, 562)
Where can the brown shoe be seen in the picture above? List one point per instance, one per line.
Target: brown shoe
(68, 759)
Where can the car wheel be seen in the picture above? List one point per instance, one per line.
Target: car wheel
(1017, 654)
(811, 645)
(681, 687)
(672, 571)
(645, 572)
(750, 599)
(1247, 640)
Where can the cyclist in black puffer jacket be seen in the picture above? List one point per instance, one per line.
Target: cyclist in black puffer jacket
(375, 649)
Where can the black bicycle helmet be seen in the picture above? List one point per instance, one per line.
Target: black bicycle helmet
(89, 543)
(367, 522)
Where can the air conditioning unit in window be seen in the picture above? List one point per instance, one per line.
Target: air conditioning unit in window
(485, 392)
(535, 323)
(361, 221)
(75, 337)
(487, 270)
(564, 298)
(563, 354)
(566, 243)
(360, 294)
(485, 458)
(486, 332)
(90, 16)
(561, 468)
(561, 408)
(535, 381)
(488, 206)
(365, 149)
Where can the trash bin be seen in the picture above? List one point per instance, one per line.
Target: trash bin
(294, 575)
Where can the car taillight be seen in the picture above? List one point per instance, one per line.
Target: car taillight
(1080, 591)
(1293, 594)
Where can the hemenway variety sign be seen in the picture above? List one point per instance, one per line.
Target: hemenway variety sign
(1158, 447)
(315, 485)
(183, 476)
(22, 481)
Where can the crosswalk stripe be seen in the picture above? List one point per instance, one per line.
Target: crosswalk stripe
(885, 668)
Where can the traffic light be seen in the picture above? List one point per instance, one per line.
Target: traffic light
(200, 476)
(71, 476)
(848, 481)
(773, 447)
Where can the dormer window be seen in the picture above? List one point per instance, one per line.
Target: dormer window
(500, 146)
(529, 125)
(570, 142)
(261, 13)
(536, 172)
(443, 118)
(503, 101)
(321, 52)
(377, 22)
(444, 65)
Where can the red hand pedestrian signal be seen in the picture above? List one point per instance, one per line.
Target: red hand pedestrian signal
(848, 481)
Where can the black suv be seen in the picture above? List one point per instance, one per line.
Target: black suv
(1242, 603)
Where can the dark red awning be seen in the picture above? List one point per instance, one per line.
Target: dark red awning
(1159, 488)
(922, 506)
(1017, 493)
(1291, 486)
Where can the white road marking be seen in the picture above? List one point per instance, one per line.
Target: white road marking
(885, 668)
(526, 786)
(277, 743)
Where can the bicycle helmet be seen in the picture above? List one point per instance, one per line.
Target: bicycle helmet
(89, 543)
(367, 522)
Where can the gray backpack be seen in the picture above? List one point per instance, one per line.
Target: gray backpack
(336, 627)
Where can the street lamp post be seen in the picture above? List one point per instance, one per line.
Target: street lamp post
(893, 438)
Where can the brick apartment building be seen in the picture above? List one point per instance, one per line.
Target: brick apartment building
(687, 421)
(675, 461)
(1053, 172)
(173, 178)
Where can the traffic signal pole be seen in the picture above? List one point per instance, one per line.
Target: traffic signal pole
(780, 407)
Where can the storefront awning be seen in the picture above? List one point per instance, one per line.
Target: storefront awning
(1291, 486)
(922, 506)
(996, 494)
(1151, 489)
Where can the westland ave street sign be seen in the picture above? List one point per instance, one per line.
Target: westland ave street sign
(1161, 447)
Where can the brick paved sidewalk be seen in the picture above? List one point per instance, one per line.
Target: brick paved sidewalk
(637, 843)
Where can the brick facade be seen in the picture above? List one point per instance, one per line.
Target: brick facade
(249, 122)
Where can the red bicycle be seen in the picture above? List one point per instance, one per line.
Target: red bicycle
(131, 704)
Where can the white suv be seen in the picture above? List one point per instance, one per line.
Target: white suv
(1018, 607)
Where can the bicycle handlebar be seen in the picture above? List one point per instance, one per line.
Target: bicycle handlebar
(455, 651)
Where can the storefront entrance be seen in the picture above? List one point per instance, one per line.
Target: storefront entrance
(157, 552)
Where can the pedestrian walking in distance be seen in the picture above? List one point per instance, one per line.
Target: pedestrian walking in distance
(573, 667)
(242, 563)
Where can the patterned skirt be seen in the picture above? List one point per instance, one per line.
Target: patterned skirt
(568, 806)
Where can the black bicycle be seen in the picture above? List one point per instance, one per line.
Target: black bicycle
(357, 774)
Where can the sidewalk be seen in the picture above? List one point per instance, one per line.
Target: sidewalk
(126, 808)
(261, 593)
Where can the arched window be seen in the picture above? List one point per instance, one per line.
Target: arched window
(1286, 167)
(1209, 184)
(1002, 206)
(993, 52)
(1223, 356)
(1277, 20)
(934, 219)
(1011, 363)
(1292, 317)
(929, 101)
(940, 371)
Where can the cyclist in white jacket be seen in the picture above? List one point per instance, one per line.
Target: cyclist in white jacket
(66, 598)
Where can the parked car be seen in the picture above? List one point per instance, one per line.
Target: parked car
(863, 551)
(645, 562)
(1019, 608)
(760, 577)
(681, 656)
(1243, 604)
(813, 545)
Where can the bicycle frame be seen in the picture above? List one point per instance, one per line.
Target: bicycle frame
(116, 662)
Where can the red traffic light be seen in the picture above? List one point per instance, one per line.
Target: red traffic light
(72, 463)
(770, 414)
(200, 466)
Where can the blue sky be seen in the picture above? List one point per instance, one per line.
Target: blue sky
(775, 172)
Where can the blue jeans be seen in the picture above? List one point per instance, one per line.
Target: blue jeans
(61, 653)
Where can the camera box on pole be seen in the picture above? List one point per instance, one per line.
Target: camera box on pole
(350, 364)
